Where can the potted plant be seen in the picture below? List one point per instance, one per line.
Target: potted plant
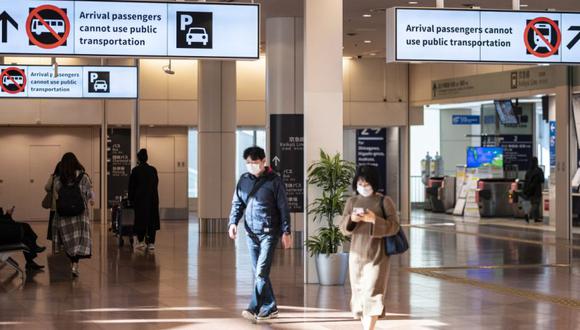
(332, 175)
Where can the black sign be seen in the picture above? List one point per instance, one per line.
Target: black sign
(194, 29)
(371, 149)
(99, 81)
(118, 162)
(517, 150)
(287, 156)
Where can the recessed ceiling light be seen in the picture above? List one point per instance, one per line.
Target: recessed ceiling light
(367, 15)
(373, 54)
(413, 2)
(523, 5)
(367, 41)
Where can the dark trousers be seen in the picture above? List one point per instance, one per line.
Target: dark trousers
(148, 235)
(262, 249)
(29, 239)
(535, 210)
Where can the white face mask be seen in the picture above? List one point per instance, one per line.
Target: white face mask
(364, 191)
(253, 169)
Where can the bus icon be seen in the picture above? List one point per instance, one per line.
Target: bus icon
(39, 28)
(10, 80)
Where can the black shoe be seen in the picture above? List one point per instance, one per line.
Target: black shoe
(527, 218)
(271, 315)
(538, 220)
(249, 315)
(33, 266)
(40, 249)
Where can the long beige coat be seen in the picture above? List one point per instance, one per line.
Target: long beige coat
(368, 263)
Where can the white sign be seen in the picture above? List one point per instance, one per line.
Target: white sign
(139, 29)
(71, 82)
(482, 36)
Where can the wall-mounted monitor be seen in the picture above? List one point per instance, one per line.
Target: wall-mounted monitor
(484, 156)
(506, 113)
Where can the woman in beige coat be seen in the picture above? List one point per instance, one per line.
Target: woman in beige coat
(364, 221)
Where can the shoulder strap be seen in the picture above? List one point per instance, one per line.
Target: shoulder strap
(257, 187)
(79, 178)
(383, 207)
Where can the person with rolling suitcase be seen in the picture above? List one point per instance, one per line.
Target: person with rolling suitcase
(144, 197)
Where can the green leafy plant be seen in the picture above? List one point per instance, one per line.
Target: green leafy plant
(332, 175)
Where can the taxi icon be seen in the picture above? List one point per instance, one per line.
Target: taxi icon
(196, 34)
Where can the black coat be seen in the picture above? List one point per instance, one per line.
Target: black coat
(533, 182)
(144, 196)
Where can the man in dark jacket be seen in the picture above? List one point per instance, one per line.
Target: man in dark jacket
(144, 197)
(533, 189)
(23, 233)
(261, 196)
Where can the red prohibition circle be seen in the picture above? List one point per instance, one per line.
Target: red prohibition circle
(6, 72)
(532, 26)
(35, 13)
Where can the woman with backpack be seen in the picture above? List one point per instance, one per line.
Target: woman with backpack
(368, 218)
(72, 223)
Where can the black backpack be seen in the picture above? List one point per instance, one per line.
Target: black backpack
(70, 202)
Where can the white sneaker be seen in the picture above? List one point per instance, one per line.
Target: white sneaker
(140, 246)
(151, 247)
(75, 270)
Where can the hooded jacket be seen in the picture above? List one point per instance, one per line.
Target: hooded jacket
(267, 211)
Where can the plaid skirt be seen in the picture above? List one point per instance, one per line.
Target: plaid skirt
(74, 234)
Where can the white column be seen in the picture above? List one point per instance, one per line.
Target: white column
(440, 4)
(562, 198)
(323, 114)
(516, 4)
(285, 80)
(217, 143)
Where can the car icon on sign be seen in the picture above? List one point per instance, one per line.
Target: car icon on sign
(196, 34)
(100, 85)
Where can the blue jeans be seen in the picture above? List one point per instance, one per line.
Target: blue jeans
(262, 249)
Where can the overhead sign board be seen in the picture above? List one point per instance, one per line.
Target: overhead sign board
(415, 34)
(140, 29)
(71, 82)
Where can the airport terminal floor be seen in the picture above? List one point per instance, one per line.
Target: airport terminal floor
(455, 276)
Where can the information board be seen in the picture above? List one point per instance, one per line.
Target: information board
(371, 149)
(118, 163)
(104, 82)
(517, 150)
(140, 29)
(287, 156)
(415, 34)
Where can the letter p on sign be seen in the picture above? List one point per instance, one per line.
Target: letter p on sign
(186, 21)
(93, 76)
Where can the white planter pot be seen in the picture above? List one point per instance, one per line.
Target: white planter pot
(332, 268)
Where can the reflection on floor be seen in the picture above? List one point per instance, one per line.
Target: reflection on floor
(456, 275)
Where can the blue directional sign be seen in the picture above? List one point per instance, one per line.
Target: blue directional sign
(466, 120)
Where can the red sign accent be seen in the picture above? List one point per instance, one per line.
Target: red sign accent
(532, 26)
(10, 73)
(35, 14)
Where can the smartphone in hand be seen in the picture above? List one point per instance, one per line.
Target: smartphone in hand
(358, 211)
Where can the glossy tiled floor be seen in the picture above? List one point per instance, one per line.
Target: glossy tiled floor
(195, 281)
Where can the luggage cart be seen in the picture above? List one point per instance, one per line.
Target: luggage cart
(123, 217)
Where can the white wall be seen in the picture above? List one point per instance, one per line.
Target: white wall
(30, 155)
(455, 138)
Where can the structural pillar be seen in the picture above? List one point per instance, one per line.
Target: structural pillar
(285, 81)
(323, 102)
(216, 143)
(562, 207)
